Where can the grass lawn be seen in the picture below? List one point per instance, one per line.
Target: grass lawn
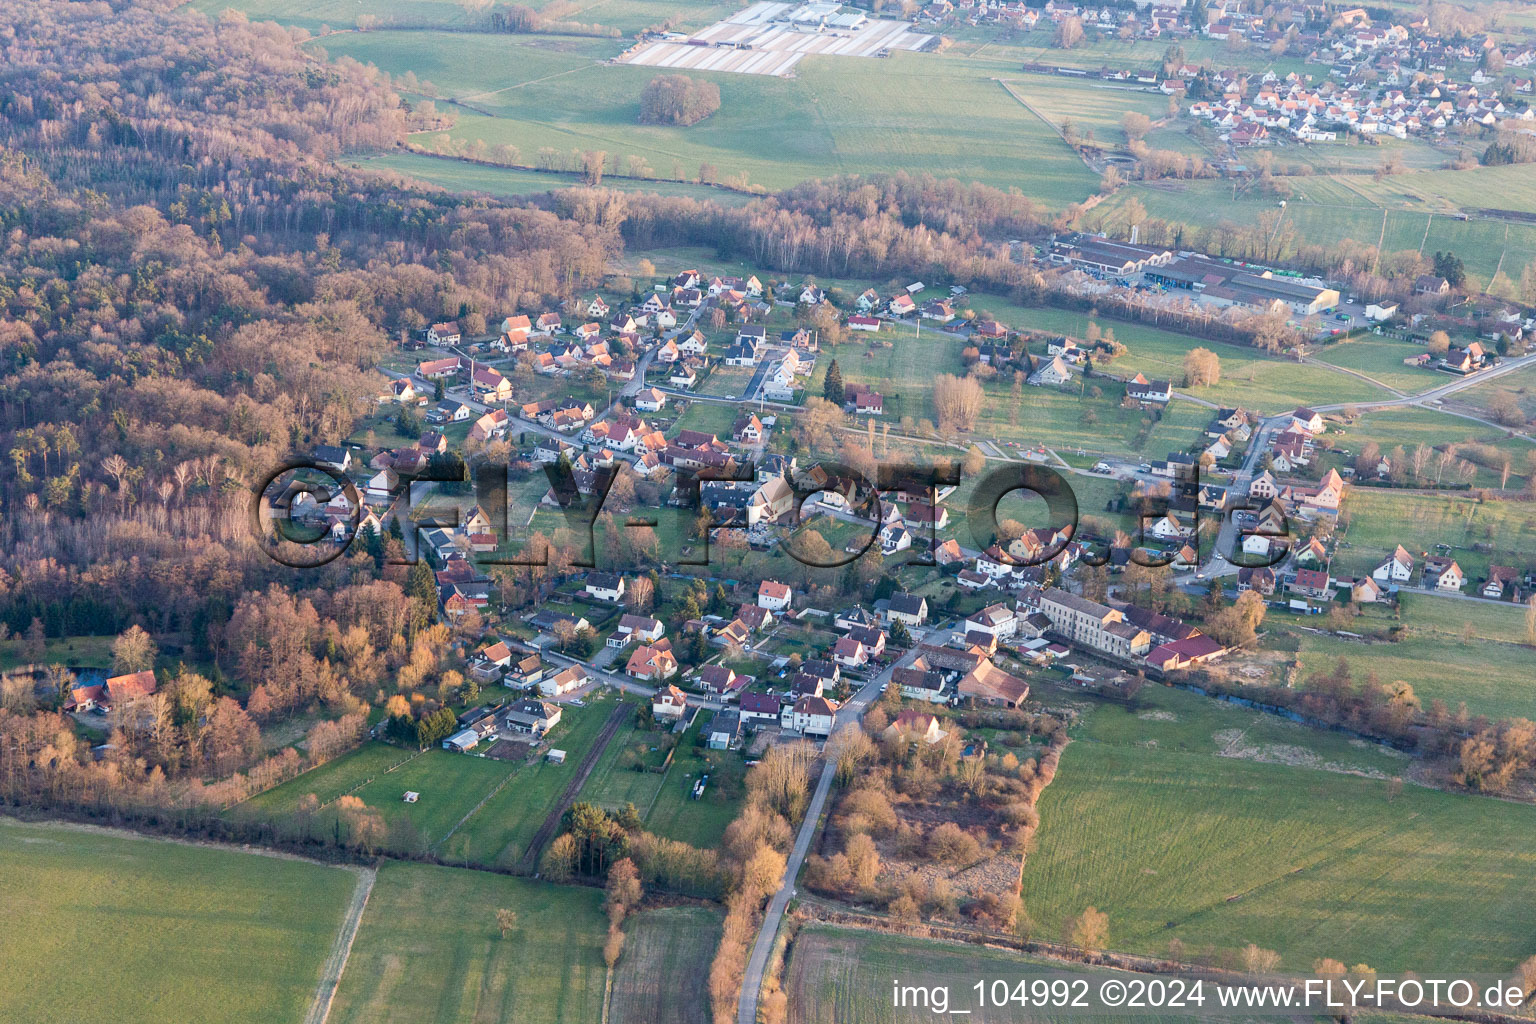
(71, 651)
(1221, 851)
(1519, 384)
(702, 822)
(500, 831)
(656, 980)
(1413, 426)
(711, 417)
(429, 950)
(726, 381)
(1248, 377)
(196, 933)
(613, 783)
(1382, 360)
(329, 781)
(450, 785)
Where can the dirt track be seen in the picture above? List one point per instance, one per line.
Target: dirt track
(341, 949)
(530, 862)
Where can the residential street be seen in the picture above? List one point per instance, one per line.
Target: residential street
(849, 713)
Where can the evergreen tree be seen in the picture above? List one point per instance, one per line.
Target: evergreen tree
(422, 584)
(437, 389)
(374, 545)
(832, 389)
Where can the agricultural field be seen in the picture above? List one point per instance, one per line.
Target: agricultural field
(429, 949)
(189, 927)
(512, 182)
(1095, 106)
(1233, 827)
(835, 117)
(652, 983)
(845, 975)
(603, 17)
(341, 14)
(454, 65)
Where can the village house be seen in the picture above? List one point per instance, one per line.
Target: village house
(720, 680)
(919, 682)
(567, 679)
(636, 627)
(1443, 574)
(650, 400)
(653, 662)
(604, 586)
(670, 703)
(1398, 568)
(990, 685)
(917, 726)
(535, 717)
(850, 653)
(761, 707)
(773, 595)
(911, 610)
(446, 333)
(810, 716)
(1312, 583)
(723, 730)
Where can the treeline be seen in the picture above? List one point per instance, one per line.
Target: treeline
(1488, 756)
(678, 99)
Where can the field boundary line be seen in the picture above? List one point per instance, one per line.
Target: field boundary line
(341, 949)
(531, 81)
(374, 778)
(546, 832)
(1008, 88)
(476, 809)
(303, 772)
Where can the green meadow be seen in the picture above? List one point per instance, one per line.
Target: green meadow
(1294, 840)
(1329, 210)
(429, 950)
(103, 926)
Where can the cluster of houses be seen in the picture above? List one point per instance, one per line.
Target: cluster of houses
(112, 693)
